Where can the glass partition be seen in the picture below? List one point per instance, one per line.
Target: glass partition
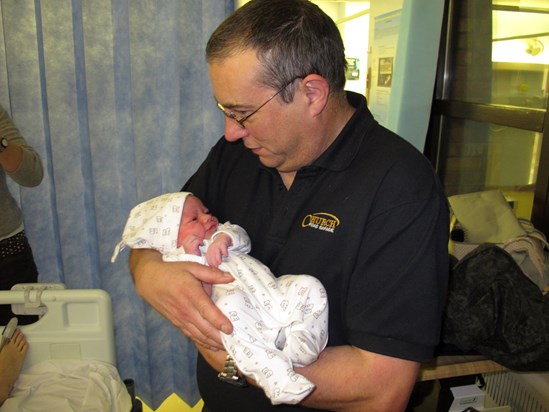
(483, 156)
(489, 117)
(502, 53)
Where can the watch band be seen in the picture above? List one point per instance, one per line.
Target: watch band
(230, 374)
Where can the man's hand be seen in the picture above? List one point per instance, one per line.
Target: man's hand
(180, 291)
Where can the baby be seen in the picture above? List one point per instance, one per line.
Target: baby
(278, 323)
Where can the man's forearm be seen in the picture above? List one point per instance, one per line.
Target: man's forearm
(216, 359)
(350, 379)
(138, 257)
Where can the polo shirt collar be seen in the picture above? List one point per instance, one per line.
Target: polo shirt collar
(345, 147)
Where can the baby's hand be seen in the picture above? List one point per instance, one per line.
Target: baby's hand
(218, 249)
(191, 244)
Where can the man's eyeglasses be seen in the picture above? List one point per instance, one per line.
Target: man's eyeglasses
(241, 119)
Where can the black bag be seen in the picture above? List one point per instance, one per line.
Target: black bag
(495, 310)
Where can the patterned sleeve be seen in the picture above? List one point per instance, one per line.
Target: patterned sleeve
(241, 240)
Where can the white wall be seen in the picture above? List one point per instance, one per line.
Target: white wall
(415, 70)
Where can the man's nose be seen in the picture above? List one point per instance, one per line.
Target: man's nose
(233, 131)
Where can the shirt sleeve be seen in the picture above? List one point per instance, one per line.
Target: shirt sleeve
(241, 240)
(397, 291)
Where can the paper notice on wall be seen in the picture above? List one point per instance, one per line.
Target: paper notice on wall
(386, 31)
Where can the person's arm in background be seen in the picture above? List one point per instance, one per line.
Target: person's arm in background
(19, 160)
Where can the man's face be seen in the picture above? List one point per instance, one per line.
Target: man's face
(197, 224)
(275, 132)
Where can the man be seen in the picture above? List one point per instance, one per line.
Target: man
(322, 189)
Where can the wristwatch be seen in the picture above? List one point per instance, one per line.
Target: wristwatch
(230, 374)
(3, 144)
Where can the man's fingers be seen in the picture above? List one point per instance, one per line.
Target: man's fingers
(193, 333)
(201, 317)
(181, 292)
(209, 274)
(212, 317)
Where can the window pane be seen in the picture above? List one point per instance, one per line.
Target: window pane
(483, 156)
(502, 55)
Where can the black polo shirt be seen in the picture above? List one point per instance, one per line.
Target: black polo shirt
(368, 219)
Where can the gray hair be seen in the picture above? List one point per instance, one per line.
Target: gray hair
(292, 39)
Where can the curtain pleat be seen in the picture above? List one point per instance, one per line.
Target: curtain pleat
(115, 96)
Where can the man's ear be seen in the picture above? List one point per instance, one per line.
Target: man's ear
(317, 90)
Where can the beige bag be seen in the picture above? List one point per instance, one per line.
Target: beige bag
(483, 217)
(487, 217)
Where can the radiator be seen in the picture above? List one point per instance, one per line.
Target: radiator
(524, 392)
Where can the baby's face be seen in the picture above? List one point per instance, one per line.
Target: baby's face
(197, 224)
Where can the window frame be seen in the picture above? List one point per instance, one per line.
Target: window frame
(535, 120)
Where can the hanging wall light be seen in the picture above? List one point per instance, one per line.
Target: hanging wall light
(534, 47)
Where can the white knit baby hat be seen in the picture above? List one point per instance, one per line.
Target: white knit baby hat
(153, 224)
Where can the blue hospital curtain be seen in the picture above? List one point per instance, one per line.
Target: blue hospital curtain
(115, 96)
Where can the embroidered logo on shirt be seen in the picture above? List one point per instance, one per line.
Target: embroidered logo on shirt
(321, 221)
